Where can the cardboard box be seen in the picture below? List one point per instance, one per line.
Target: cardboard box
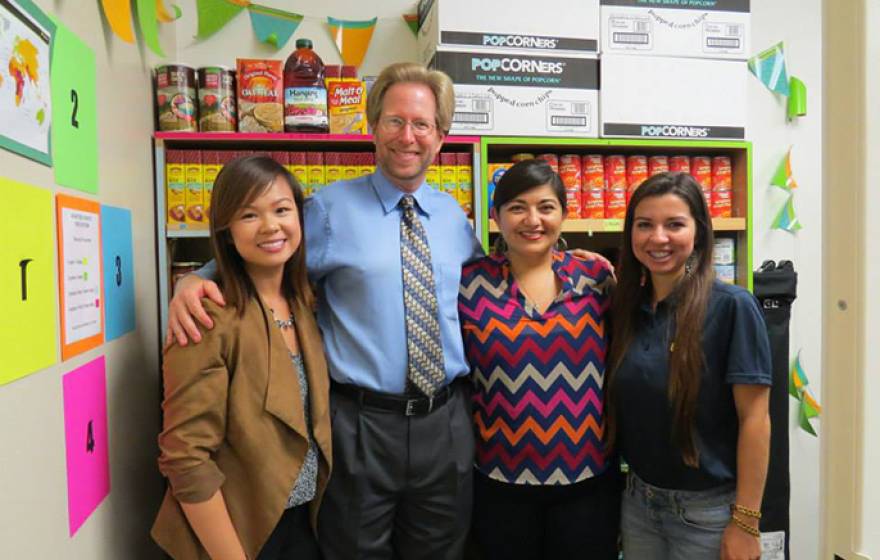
(664, 97)
(509, 93)
(553, 26)
(690, 28)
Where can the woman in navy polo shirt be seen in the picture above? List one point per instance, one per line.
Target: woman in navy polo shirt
(689, 385)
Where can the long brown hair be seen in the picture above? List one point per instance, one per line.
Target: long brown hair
(691, 296)
(240, 182)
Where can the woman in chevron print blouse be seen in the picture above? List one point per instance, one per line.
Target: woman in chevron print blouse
(534, 326)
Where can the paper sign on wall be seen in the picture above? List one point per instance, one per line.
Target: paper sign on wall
(75, 127)
(79, 273)
(27, 281)
(25, 101)
(85, 437)
(116, 247)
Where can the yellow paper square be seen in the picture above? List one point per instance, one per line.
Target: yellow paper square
(28, 326)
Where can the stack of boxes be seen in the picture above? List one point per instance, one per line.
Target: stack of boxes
(530, 73)
(674, 68)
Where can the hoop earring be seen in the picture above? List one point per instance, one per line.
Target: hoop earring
(561, 244)
(500, 246)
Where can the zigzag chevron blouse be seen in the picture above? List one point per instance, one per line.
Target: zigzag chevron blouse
(538, 378)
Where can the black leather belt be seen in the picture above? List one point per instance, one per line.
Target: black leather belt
(403, 404)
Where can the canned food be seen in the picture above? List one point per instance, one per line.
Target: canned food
(680, 164)
(657, 164)
(593, 188)
(636, 172)
(701, 170)
(552, 160)
(176, 98)
(516, 158)
(721, 174)
(615, 186)
(217, 107)
(570, 173)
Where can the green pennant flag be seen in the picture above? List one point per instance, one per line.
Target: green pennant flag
(148, 19)
(412, 21)
(783, 177)
(215, 14)
(786, 219)
(804, 420)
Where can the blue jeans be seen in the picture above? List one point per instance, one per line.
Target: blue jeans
(661, 524)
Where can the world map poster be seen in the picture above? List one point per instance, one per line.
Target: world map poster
(25, 95)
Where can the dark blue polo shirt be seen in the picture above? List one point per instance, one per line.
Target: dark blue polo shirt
(736, 351)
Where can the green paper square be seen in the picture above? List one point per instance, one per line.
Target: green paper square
(74, 112)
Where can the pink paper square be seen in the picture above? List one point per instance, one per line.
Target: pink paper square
(88, 466)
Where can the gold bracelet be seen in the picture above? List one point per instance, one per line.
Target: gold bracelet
(746, 527)
(753, 513)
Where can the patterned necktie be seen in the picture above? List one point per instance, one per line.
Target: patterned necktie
(425, 368)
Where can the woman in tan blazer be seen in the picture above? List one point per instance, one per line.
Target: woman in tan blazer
(246, 438)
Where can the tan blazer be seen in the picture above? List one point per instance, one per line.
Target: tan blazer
(234, 421)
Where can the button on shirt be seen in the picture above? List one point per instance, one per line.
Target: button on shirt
(736, 351)
(352, 233)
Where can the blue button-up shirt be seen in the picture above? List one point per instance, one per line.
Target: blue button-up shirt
(352, 233)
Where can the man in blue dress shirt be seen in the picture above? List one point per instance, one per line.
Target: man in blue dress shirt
(402, 461)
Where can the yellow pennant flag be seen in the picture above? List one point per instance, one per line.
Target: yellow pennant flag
(118, 14)
(352, 38)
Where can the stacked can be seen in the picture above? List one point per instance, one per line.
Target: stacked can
(570, 173)
(449, 174)
(593, 188)
(299, 168)
(657, 164)
(332, 167)
(366, 163)
(522, 156)
(636, 174)
(680, 163)
(701, 170)
(465, 172)
(433, 175)
(315, 172)
(615, 187)
(551, 159)
(722, 185)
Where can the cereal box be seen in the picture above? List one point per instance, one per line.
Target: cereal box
(347, 104)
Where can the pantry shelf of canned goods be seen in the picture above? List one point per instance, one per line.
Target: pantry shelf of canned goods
(600, 174)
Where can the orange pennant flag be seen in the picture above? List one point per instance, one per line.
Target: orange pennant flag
(118, 14)
(352, 38)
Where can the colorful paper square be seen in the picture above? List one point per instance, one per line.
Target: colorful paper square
(119, 307)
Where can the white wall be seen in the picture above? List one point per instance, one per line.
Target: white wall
(33, 487)
(870, 537)
(799, 24)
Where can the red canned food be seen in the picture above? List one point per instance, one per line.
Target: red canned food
(593, 187)
(721, 175)
(657, 164)
(680, 164)
(570, 173)
(552, 160)
(636, 173)
(615, 186)
(722, 203)
(701, 170)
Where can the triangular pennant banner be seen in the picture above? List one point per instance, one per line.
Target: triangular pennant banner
(352, 38)
(148, 19)
(164, 15)
(118, 14)
(783, 177)
(797, 98)
(215, 14)
(769, 67)
(797, 379)
(412, 21)
(804, 420)
(272, 26)
(808, 407)
(786, 218)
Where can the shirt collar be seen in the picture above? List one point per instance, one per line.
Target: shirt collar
(390, 195)
(559, 263)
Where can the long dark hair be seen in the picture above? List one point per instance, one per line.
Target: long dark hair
(522, 177)
(240, 182)
(691, 296)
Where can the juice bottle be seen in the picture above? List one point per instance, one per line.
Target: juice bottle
(305, 97)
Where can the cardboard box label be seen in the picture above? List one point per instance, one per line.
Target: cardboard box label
(515, 41)
(479, 68)
(658, 130)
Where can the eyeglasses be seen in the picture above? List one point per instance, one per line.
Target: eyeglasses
(394, 125)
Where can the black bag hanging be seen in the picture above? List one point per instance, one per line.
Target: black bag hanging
(776, 288)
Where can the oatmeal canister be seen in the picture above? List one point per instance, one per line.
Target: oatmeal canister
(176, 98)
(260, 96)
(217, 99)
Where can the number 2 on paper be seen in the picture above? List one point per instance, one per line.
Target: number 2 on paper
(74, 98)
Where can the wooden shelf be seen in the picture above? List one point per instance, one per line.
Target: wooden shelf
(574, 225)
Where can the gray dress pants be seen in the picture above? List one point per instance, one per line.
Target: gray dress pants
(401, 486)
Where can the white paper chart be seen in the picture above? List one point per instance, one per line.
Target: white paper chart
(81, 274)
